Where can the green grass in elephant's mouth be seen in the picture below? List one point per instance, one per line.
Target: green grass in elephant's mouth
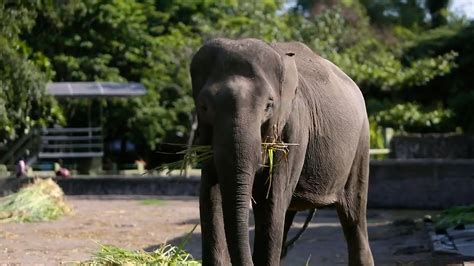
(200, 153)
(270, 147)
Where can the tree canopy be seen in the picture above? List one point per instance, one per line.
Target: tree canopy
(410, 60)
(23, 103)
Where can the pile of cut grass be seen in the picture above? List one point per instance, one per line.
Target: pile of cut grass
(460, 215)
(165, 255)
(42, 200)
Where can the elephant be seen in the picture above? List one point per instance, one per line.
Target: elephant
(246, 91)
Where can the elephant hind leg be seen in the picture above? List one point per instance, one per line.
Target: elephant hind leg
(290, 215)
(352, 207)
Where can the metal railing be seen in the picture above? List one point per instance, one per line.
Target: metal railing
(57, 143)
(379, 151)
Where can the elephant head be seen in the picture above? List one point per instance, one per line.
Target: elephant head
(243, 91)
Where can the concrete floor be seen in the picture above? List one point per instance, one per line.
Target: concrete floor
(128, 223)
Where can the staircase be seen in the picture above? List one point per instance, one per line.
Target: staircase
(25, 148)
(52, 144)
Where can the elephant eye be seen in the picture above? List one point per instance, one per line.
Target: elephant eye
(269, 106)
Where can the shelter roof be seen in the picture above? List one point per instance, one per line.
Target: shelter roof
(95, 89)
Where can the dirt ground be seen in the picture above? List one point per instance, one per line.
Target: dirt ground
(129, 223)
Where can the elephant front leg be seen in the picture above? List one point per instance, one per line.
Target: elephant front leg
(269, 227)
(269, 216)
(214, 246)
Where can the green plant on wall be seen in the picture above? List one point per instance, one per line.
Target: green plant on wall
(411, 117)
(377, 140)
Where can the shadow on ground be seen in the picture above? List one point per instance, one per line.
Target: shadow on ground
(396, 238)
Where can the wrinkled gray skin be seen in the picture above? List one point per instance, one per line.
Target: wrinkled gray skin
(242, 89)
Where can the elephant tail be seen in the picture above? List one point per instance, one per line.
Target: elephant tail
(289, 244)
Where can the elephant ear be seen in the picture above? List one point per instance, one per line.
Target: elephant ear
(200, 63)
(288, 84)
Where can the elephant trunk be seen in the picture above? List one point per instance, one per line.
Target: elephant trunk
(236, 156)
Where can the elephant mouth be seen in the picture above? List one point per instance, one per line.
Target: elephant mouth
(274, 151)
(271, 146)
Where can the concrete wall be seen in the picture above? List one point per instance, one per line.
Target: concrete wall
(10, 185)
(441, 146)
(422, 183)
(131, 186)
(166, 186)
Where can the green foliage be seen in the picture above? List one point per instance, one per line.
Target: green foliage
(243, 19)
(152, 42)
(380, 69)
(409, 13)
(410, 117)
(372, 65)
(117, 41)
(365, 58)
(23, 103)
(453, 89)
(455, 216)
(376, 135)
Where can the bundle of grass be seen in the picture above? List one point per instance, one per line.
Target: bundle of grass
(460, 215)
(270, 147)
(202, 153)
(164, 255)
(42, 200)
(195, 154)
